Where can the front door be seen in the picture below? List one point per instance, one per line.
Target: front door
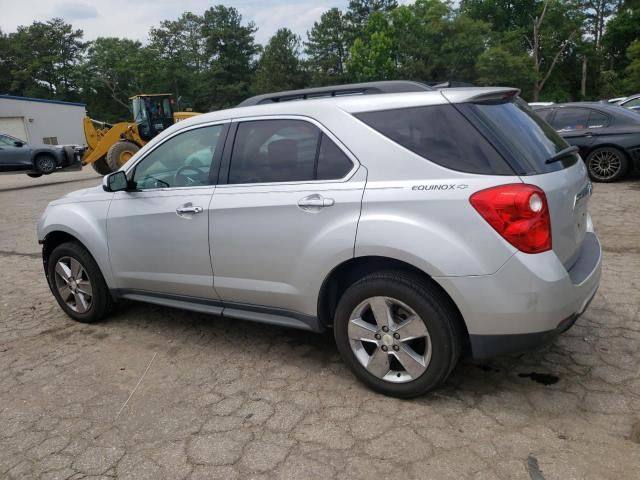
(158, 234)
(287, 214)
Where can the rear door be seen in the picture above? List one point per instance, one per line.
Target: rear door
(287, 214)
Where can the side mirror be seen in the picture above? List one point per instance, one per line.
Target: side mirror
(18, 143)
(115, 182)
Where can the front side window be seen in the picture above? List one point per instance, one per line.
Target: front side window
(568, 119)
(268, 151)
(5, 140)
(182, 161)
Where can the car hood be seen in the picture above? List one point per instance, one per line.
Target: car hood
(90, 194)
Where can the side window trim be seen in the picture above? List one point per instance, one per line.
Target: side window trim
(229, 146)
(226, 124)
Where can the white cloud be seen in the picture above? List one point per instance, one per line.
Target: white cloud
(133, 19)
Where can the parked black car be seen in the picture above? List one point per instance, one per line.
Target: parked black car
(35, 160)
(608, 136)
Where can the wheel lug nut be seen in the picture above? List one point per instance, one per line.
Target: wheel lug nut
(396, 348)
(396, 336)
(378, 336)
(385, 329)
(384, 348)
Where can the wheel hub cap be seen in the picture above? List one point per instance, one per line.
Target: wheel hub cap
(389, 339)
(73, 284)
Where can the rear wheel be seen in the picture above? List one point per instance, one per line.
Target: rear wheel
(120, 153)
(607, 164)
(397, 333)
(45, 164)
(77, 283)
(101, 167)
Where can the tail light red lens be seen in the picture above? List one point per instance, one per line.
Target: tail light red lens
(519, 213)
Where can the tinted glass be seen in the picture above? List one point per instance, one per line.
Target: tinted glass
(6, 140)
(545, 114)
(597, 120)
(333, 164)
(268, 151)
(182, 161)
(440, 134)
(527, 138)
(632, 103)
(568, 119)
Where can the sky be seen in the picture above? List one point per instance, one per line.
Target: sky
(133, 18)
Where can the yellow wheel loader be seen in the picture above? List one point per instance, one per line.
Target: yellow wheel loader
(111, 146)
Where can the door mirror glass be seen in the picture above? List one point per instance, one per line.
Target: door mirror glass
(18, 143)
(116, 182)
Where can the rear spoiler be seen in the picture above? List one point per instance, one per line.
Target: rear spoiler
(480, 95)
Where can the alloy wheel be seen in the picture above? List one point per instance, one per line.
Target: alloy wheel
(389, 339)
(73, 284)
(605, 164)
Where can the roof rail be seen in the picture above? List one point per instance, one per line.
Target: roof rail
(368, 88)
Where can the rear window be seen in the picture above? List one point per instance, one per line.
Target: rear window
(528, 139)
(440, 134)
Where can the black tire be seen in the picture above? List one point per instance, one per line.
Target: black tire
(607, 164)
(101, 303)
(429, 303)
(119, 153)
(45, 164)
(34, 175)
(101, 167)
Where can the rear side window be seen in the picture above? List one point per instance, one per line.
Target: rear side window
(597, 120)
(269, 151)
(568, 119)
(440, 134)
(545, 114)
(332, 162)
(522, 135)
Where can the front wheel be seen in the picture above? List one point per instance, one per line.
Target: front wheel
(77, 283)
(45, 164)
(607, 164)
(397, 333)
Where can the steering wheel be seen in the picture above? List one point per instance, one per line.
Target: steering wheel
(180, 179)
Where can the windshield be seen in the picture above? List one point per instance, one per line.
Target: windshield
(525, 135)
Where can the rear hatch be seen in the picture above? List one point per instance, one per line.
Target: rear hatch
(528, 143)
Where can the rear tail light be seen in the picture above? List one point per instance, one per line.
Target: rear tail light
(519, 213)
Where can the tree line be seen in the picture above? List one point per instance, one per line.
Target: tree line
(558, 50)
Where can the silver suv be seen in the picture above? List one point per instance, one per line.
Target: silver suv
(418, 225)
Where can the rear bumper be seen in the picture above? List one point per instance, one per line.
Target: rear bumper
(529, 301)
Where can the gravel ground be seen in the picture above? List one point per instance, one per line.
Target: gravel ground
(161, 393)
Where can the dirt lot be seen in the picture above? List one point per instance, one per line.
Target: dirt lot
(158, 393)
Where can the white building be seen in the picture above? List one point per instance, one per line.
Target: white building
(42, 121)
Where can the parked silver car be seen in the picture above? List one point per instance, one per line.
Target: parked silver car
(418, 225)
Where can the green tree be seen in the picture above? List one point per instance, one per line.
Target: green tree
(279, 67)
(326, 48)
(633, 68)
(358, 13)
(6, 64)
(229, 49)
(115, 70)
(373, 56)
(45, 59)
(621, 31)
(180, 47)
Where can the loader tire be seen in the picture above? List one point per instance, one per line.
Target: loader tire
(101, 167)
(120, 153)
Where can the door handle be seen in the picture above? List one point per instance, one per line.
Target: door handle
(588, 134)
(315, 202)
(188, 210)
